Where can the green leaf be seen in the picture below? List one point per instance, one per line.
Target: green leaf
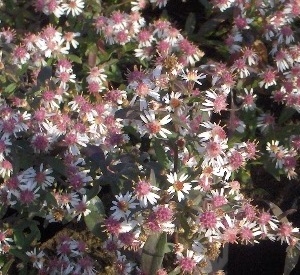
(3, 210)
(278, 212)
(291, 259)
(94, 220)
(175, 271)
(19, 254)
(190, 23)
(56, 164)
(50, 199)
(270, 168)
(286, 114)
(75, 58)
(210, 25)
(10, 88)
(152, 178)
(94, 191)
(7, 266)
(153, 253)
(160, 153)
(96, 155)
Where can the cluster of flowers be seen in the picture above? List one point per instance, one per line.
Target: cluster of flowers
(60, 7)
(70, 258)
(59, 116)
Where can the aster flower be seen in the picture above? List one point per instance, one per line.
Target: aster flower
(153, 126)
(179, 185)
(265, 122)
(143, 192)
(188, 263)
(173, 101)
(143, 90)
(5, 241)
(249, 100)
(214, 152)
(123, 206)
(75, 7)
(215, 101)
(73, 139)
(37, 259)
(285, 232)
(192, 76)
(81, 207)
(70, 39)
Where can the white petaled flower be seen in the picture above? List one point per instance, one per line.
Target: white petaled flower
(143, 192)
(214, 153)
(37, 259)
(70, 39)
(154, 126)
(43, 177)
(73, 6)
(192, 76)
(249, 100)
(215, 101)
(74, 139)
(81, 207)
(4, 147)
(142, 90)
(173, 101)
(122, 207)
(178, 185)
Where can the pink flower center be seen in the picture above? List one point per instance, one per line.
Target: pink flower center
(163, 214)
(264, 218)
(213, 149)
(40, 142)
(70, 139)
(142, 90)
(285, 230)
(208, 219)
(40, 177)
(142, 188)
(154, 127)
(220, 103)
(187, 264)
(26, 196)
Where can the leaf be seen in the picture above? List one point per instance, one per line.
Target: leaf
(152, 178)
(25, 233)
(278, 212)
(160, 153)
(184, 224)
(56, 164)
(3, 210)
(291, 259)
(10, 88)
(96, 154)
(270, 168)
(20, 254)
(50, 199)
(7, 266)
(286, 114)
(175, 271)
(190, 23)
(75, 58)
(44, 74)
(211, 24)
(94, 220)
(94, 191)
(153, 253)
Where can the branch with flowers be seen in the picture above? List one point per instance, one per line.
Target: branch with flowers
(126, 128)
